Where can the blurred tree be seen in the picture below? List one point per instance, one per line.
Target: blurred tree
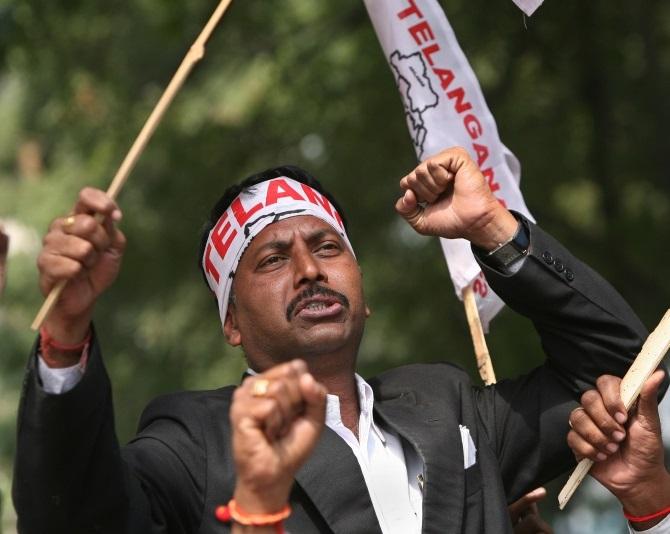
(578, 96)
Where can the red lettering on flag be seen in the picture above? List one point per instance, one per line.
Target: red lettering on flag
(411, 10)
(480, 286)
(446, 76)
(428, 52)
(473, 126)
(493, 184)
(241, 215)
(219, 235)
(421, 33)
(277, 189)
(482, 153)
(459, 95)
(209, 266)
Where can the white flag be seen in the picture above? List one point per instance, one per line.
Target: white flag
(528, 6)
(445, 107)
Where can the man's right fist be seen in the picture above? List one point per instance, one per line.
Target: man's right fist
(84, 248)
(276, 419)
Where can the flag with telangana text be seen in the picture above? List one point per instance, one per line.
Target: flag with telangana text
(445, 107)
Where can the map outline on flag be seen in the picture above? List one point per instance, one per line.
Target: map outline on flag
(413, 112)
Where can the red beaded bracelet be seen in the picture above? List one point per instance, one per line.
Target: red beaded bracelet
(232, 511)
(643, 518)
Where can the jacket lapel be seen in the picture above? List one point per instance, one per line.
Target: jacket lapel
(432, 427)
(333, 480)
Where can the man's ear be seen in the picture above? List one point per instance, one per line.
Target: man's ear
(230, 330)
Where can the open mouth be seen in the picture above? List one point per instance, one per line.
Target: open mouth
(317, 302)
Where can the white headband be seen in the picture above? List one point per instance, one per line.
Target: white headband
(255, 208)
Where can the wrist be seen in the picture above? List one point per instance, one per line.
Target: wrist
(57, 354)
(262, 501)
(245, 521)
(68, 331)
(500, 228)
(644, 523)
(647, 498)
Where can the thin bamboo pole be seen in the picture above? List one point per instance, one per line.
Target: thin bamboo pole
(484, 364)
(194, 54)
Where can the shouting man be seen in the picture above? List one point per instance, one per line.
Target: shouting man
(304, 441)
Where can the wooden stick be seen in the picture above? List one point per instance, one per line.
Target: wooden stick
(642, 368)
(484, 364)
(195, 54)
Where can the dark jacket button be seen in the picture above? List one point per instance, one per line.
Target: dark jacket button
(558, 265)
(569, 275)
(547, 257)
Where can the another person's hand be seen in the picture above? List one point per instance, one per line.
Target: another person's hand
(448, 196)
(525, 514)
(276, 418)
(85, 252)
(626, 447)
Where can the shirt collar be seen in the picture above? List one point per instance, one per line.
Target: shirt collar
(366, 400)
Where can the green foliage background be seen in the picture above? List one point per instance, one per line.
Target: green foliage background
(580, 94)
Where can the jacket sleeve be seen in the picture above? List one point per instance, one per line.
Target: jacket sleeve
(586, 330)
(70, 475)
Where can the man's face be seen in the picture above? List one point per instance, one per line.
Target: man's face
(298, 293)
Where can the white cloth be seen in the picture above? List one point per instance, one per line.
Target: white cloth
(662, 528)
(528, 6)
(61, 380)
(445, 107)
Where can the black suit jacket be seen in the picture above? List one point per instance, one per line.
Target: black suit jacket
(71, 476)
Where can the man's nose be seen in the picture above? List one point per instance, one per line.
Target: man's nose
(308, 268)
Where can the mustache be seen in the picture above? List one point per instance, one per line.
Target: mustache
(311, 291)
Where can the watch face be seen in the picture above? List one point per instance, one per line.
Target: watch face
(514, 249)
(508, 253)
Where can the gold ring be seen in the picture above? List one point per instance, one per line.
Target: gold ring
(69, 221)
(260, 387)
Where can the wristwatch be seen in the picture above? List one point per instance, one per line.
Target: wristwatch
(516, 248)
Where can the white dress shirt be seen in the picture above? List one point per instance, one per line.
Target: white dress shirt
(391, 472)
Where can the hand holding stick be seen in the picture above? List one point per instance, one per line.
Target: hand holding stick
(650, 357)
(195, 54)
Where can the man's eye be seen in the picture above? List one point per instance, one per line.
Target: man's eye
(328, 248)
(270, 260)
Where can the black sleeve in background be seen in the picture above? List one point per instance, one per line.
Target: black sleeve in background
(70, 476)
(586, 330)
(67, 470)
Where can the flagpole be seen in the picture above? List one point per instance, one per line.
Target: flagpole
(194, 54)
(484, 363)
